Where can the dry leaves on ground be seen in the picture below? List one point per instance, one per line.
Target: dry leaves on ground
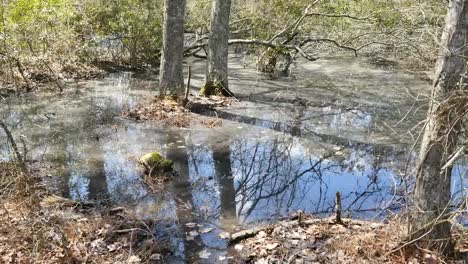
(171, 113)
(61, 231)
(324, 241)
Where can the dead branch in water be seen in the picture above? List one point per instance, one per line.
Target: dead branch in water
(248, 233)
(187, 88)
(12, 142)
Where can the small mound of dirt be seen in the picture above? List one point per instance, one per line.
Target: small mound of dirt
(171, 113)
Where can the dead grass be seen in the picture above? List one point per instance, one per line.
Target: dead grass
(17, 184)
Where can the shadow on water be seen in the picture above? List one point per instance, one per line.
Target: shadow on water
(290, 144)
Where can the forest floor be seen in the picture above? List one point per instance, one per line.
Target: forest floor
(313, 240)
(38, 227)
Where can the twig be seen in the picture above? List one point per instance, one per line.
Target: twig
(187, 89)
(19, 157)
(452, 160)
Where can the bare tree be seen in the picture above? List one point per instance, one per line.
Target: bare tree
(217, 75)
(447, 107)
(171, 74)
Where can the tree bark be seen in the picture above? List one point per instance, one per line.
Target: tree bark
(432, 192)
(171, 80)
(218, 46)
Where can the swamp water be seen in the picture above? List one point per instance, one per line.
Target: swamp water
(289, 144)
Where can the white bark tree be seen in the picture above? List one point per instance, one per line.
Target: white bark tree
(171, 80)
(449, 103)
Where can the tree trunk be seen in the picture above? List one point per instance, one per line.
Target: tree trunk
(171, 80)
(217, 76)
(448, 105)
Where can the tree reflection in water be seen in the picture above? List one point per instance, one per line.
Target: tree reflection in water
(268, 177)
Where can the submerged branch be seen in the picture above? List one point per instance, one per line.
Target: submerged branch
(12, 141)
(339, 16)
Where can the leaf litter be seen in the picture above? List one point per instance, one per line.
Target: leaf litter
(315, 240)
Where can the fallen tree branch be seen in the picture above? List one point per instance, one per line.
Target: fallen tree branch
(198, 44)
(10, 139)
(244, 234)
(304, 54)
(258, 42)
(334, 42)
(248, 233)
(452, 160)
(291, 30)
(338, 16)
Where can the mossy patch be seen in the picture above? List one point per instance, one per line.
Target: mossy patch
(155, 163)
(215, 87)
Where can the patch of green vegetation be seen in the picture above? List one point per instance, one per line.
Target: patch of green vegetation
(213, 88)
(155, 163)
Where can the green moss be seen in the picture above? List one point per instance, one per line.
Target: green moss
(215, 87)
(156, 163)
(212, 88)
